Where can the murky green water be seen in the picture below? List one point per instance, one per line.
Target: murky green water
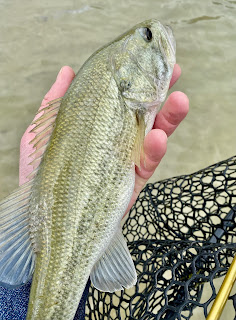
(37, 38)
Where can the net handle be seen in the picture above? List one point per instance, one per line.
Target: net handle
(223, 293)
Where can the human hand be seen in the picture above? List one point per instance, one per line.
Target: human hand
(173, 112)
(167, 120)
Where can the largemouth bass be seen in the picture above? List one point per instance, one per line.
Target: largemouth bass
(64, 224)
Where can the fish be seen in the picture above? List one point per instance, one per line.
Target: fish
(64, 225)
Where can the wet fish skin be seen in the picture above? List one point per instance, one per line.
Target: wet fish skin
(86, 177)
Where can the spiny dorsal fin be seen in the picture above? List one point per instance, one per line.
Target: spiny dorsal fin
(18, 238)
(43, 128)
(138, 150)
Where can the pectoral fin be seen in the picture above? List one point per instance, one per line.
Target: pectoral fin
(139, 140)
(115, 269)
(16, 250)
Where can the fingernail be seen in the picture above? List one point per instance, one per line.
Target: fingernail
(59, 73)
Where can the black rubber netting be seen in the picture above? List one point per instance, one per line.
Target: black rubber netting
(181, 234)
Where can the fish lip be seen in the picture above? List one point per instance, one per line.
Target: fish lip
(170, 38)
(168, 29)
(124, 46)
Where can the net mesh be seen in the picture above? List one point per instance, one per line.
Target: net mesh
(181, 235)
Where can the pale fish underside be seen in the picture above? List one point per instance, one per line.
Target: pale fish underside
(64, 224)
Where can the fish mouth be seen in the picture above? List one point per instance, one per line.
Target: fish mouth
(155, 80)
(170, 38)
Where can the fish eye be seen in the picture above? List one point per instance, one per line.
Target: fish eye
(147, 34)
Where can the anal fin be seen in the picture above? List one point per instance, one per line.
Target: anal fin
(115, 269)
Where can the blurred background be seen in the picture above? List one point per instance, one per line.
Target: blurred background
(38, 37)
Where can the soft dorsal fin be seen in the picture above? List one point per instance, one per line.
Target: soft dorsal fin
(16, 251)
(115, 269)
(139, 140)
(43, 128)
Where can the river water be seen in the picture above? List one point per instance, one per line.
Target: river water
(38, 37)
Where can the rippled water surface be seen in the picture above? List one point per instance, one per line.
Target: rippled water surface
(37, 38)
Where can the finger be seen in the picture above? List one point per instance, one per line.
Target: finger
(176, 74)
(58, 89)
(173, 112)
(155, 145)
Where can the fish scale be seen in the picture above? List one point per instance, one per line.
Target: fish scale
(85, 178)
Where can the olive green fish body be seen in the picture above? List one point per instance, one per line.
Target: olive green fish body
(86, 181)
(65, 222)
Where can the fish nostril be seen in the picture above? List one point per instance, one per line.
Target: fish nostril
(125, 84)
